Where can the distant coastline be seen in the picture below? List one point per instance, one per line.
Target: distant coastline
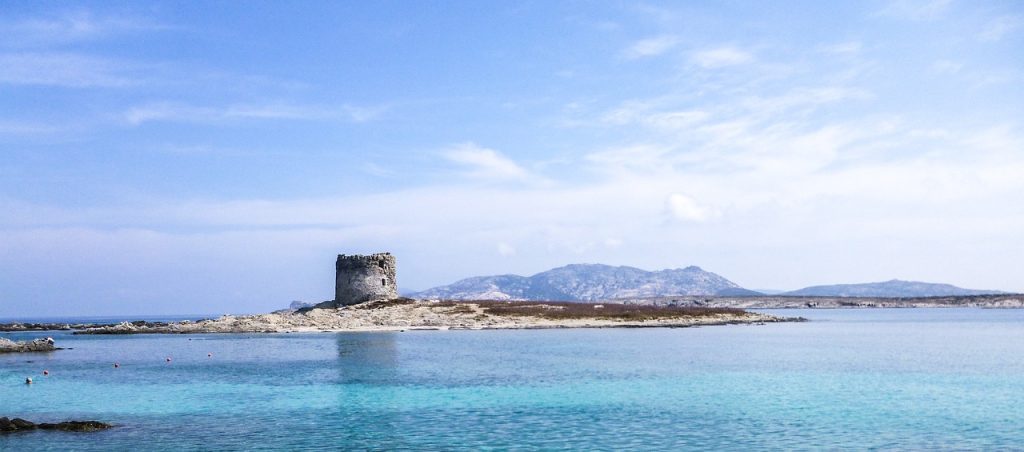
(819, 302)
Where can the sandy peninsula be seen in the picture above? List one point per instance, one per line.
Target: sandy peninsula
(407, 314)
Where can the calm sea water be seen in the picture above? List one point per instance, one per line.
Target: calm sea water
(850, 379)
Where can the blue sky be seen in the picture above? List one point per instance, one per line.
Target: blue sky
(214, 157)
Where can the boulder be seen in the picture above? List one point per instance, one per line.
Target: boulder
(38, 345)
(22, 424)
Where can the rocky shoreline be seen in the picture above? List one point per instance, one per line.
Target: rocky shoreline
(404, 314)
(38, 345)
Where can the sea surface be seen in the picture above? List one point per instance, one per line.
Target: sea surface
(906, 379)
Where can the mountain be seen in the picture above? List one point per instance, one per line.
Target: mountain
(893, 288)
(588, 282)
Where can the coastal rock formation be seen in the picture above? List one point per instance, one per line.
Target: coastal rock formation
(588, 282)
(38, 345)
(21, 425)
(359, 279)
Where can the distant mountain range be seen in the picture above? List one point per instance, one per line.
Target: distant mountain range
(893, 288)
(590, 282)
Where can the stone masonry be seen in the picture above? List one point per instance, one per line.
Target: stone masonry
(360, 278)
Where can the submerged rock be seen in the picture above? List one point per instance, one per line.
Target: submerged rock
(21, 425)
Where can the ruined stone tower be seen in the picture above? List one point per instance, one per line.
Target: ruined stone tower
(361, 278)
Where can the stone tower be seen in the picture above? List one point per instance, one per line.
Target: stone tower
(364, 278)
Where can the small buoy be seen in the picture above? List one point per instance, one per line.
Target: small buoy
(116, 365)
(46, 372)
(28, 381)
(168, 359)
(209, 355)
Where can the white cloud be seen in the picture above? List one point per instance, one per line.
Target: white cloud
(721, 57)
(485, 164)
(946, 67)
(843, 48)
(651, 47)
(26, 128)
(804, 191)
(377, 170)
(506, 250)
(176, 112)
(71, 27)
(916, 9)
(365, 113)
(802, 97)
(1000, 27)
(685, 208)
(65, 69)
(647, 114)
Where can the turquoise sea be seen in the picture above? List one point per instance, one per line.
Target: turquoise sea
(848, 379)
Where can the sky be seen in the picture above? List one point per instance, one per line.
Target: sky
(215, 157)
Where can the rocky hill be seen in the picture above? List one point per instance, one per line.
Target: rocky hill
(893, 288)
(588, 282)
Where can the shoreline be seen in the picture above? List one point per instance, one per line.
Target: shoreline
(995, 301)
(405, 314)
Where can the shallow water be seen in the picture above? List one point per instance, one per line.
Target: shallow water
(849, 379)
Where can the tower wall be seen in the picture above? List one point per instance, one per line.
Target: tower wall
(361, 278)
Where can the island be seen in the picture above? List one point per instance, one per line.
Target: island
(406, 314)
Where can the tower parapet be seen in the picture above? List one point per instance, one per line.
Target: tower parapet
(361, 278)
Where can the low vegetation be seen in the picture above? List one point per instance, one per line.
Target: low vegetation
(567, 310)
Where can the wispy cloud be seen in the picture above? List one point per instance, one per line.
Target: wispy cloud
(66, 69)
(486, 164)
(843, 48)
(176, 112)
(17, 127)
(71, 27)
(946, 67)
(684, 208)
(1000, 27)
(802, 97)
(721, 57)
(916, 9)
(365, 113)
(651, 47)
(506, 250)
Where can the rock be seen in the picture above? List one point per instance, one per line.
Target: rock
(38, 345)
(76, 426)
(20, 425)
